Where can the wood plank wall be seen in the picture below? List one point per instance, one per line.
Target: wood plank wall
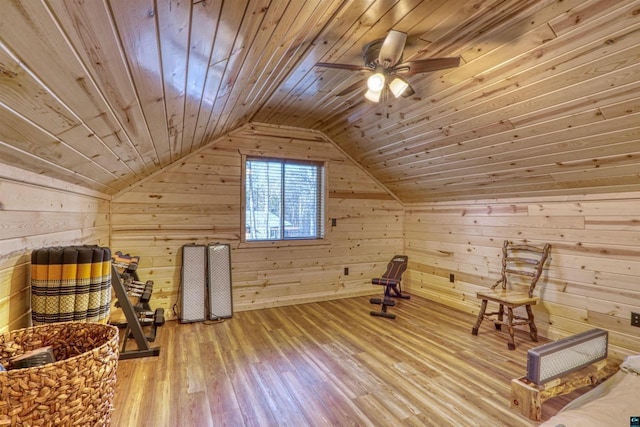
(197, 200)
(592, 279)
(35, 212)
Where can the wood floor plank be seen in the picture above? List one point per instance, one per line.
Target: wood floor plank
(328, 364)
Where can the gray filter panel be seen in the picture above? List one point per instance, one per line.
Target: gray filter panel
(558, 358)
(194, 283)
(219, 279)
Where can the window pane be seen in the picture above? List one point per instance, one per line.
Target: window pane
(301, 201)
(263, 200)
(284, 200)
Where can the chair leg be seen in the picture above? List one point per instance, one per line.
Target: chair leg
(533, 331)
(498, 326)
(483, 308)
(511, 344)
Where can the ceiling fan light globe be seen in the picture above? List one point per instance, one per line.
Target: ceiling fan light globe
(375, 82)
(408, 92)
(373, 96)
(398, 86)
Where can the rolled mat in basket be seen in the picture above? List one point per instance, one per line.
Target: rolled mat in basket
(70, 283)
(39, 275)
(105, 285)
(77, 389)
(86, 268)
(54, 280)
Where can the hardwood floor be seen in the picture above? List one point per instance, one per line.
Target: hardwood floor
(327, 364)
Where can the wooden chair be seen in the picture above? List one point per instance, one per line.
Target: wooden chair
(519, 262)
(391, 281)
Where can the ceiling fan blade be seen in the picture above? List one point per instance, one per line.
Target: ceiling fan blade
(357, 85)
(392, 48)
(425, 65)
(349, 67)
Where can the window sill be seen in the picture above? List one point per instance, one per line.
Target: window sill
(283, 243)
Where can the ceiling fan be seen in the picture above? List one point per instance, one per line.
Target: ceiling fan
(383, 57)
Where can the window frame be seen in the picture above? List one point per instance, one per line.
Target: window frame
(323, 210)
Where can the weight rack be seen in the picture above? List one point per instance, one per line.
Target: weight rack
(127, 285)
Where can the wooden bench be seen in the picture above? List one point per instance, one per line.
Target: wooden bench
(527, 397)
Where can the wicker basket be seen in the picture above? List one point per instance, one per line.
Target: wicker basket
(77, 389)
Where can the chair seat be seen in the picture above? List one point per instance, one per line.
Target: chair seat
(507, 297)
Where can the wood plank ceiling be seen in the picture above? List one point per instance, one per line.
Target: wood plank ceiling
(546, 101)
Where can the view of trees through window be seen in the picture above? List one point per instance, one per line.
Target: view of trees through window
(284, 199)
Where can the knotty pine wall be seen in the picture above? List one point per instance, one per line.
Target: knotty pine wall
(198, 200)
(592, 279)
(35, 212)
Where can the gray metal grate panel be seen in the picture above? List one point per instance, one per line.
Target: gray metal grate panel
(219, 279)
(558, 358)
(193, 292)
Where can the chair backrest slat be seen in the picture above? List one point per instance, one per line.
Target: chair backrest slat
(524, 261)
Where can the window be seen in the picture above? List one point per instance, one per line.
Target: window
(284, 199)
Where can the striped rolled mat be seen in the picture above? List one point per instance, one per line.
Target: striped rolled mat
(73, 294)
(54, 282)
(70, 283)
(90, 269)
(99, 294)
(105, 285)
(39, 275)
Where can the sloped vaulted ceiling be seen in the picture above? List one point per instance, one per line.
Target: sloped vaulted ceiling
(546, 100)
